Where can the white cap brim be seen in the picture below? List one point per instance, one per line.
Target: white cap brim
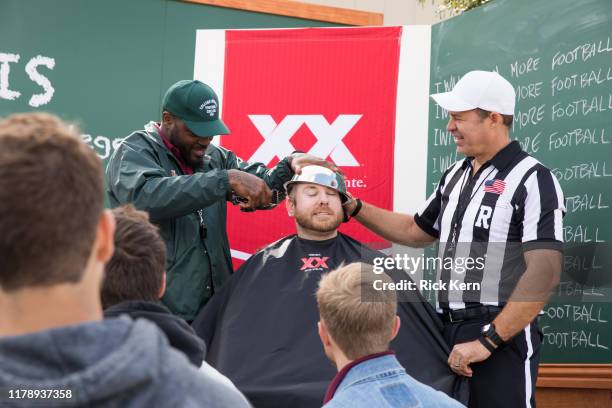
(451, 102)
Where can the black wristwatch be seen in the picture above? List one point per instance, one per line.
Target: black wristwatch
(278, 196)
(357, 208)
(488, 331)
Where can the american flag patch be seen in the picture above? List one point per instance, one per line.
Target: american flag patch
(494, 186)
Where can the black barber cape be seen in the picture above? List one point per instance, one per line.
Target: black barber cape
(261, 327)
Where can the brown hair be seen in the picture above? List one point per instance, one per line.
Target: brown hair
(51, 200)
(136, 270)
(359, 328)
(507, 119)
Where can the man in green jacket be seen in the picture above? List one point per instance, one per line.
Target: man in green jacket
(172, 171)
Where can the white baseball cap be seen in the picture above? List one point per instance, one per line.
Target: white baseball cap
(479, 89)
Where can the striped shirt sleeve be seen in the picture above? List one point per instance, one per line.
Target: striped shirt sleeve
(544, 209)
(427, 216)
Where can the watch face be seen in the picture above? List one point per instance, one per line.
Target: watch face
(486, 328)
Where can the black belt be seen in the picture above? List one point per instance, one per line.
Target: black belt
(478, 312)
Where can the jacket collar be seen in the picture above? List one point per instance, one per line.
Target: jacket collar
(344, 373)
(131, 305)
(185, 168)
(152, 133)
(180, 335)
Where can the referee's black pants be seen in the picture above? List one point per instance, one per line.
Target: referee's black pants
(508, 377)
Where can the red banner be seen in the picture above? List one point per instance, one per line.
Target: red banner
(327, 91)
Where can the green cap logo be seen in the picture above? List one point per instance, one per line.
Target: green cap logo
(210, 106)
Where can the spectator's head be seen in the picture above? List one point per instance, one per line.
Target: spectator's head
(137, 269)
(351, 327)
(314, 199)
(56, 235)
(190, 118)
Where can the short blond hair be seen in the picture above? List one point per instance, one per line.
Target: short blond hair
(358, 327)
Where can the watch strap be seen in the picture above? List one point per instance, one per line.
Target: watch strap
(493, 336)
(357, 208)
(485, 342)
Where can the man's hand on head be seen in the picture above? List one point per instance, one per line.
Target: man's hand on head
(252, 188)
(299, 160)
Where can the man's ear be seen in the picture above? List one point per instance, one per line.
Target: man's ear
(162, 287)
(323, 335)
(290, 204)
(396, 327)
(167, 119)
(105, 236)
(496, 119)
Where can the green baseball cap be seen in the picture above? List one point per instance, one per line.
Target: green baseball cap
(197, 105)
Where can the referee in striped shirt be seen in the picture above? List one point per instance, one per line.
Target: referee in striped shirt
(498, 216)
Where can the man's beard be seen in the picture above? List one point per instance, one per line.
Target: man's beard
(306, 221)
(186, 154)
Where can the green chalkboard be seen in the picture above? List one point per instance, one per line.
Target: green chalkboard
(108, 62)
(558, 55)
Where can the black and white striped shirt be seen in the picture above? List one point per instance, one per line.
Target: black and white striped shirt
(512, 204)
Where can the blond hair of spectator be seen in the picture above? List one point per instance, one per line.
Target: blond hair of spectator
(357, 326)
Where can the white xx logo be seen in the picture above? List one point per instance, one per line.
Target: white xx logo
(329, 137)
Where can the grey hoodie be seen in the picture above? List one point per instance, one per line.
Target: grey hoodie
(110, 363)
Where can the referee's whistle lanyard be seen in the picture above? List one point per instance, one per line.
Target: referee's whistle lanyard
(463, 203)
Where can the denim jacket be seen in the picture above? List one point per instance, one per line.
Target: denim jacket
(380, 381)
